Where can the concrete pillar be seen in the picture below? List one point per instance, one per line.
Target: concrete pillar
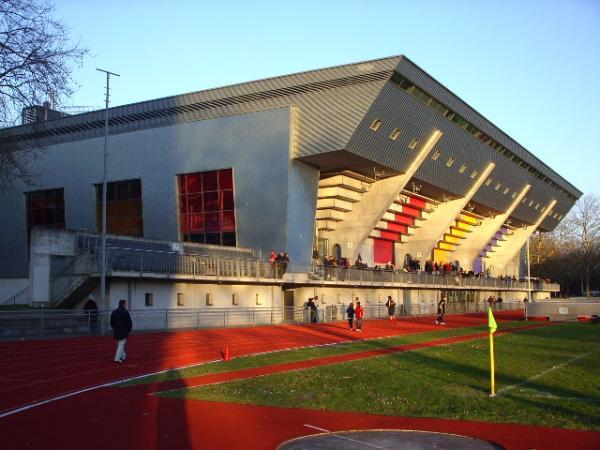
(432, 230)
(358, 223)
(476, 241)
(503, 255)
(46, 242)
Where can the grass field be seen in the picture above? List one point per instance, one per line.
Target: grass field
(544, 376)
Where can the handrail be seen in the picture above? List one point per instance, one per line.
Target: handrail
(19, 295)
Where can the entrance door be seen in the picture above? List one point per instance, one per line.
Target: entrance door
(288, 306)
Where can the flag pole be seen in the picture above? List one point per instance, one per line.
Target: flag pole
(493, 394)
(492, 326)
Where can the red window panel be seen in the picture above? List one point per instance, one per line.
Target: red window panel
(225, 179)
(194, 203)
(196, 223)
(211, 201)
(383, 251)
(413, 212)
(193, 183)
(389, 235)
(404, 219)
(210, 181)
(212, 222)
(403, 229)
(419, 203)
(226, 200)
(227, 221)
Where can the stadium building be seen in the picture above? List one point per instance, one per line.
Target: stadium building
(375, 160)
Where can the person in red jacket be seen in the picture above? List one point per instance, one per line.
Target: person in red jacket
(360, 313)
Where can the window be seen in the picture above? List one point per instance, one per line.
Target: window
(506, 191)
(474, 174)
(209, 299)
(462, 168)
(450, 162)
(148, 299)
(258, 300)
(394, 135)
(514, 194)
(45, 208)
(123, 208)
(436, 155)
(207, 207)
(413, 143)
(537, 206)
(180, 299)
(375, 125)
(530, 203)
(235, 300)
(488, 181)
(498, 186)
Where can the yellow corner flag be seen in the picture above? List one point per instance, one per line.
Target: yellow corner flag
(492, 325)
(491, 321)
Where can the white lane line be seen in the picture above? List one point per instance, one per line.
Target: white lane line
(546, 372)
(356, 441)
(10, 412)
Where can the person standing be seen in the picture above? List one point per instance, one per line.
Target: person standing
(120, 322)
(391, 306)
(360, 313)
(441, 310)
(350, 312)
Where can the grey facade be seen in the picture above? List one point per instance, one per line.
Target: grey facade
(280, 136)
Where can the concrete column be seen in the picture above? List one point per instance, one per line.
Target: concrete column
(358, 223)
(503, 255)
(45, 243)
(432, 231)
(475, 242)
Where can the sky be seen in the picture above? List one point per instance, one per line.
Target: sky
(531, 67)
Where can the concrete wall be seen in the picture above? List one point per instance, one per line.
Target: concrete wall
(255, 145)
(165, 295)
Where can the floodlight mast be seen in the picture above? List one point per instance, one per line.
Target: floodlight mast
(104, 183)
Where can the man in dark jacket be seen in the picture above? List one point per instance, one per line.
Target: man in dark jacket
(120, 322)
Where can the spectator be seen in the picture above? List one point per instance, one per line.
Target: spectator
(391, 306)
(350, 312)
(120, 322)
(360, 313)
(441, 311)
(312, 307)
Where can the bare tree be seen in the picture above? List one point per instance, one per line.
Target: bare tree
(585, 231)
(36, 59)
(571, 253)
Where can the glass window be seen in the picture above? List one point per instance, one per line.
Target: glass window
(225, 179)
(207, 216)
(123, 208)
(45, 208)
(210, 181)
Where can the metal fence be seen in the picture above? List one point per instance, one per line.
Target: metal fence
(351, 275)
(51, 322)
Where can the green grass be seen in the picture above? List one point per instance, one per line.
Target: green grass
(450, 381)
(282, 357)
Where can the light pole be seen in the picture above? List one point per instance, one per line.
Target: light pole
(104, 183)
(528, 274)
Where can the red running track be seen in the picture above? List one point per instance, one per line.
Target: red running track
(115, 418)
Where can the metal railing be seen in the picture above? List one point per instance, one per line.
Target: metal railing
(20, 298)
(52, 322)
(370, 275)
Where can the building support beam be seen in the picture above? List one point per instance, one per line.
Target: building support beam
(424, 239)
(353, 231)
(475, 242)
(502, 260)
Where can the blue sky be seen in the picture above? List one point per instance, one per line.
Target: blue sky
(532, 67)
